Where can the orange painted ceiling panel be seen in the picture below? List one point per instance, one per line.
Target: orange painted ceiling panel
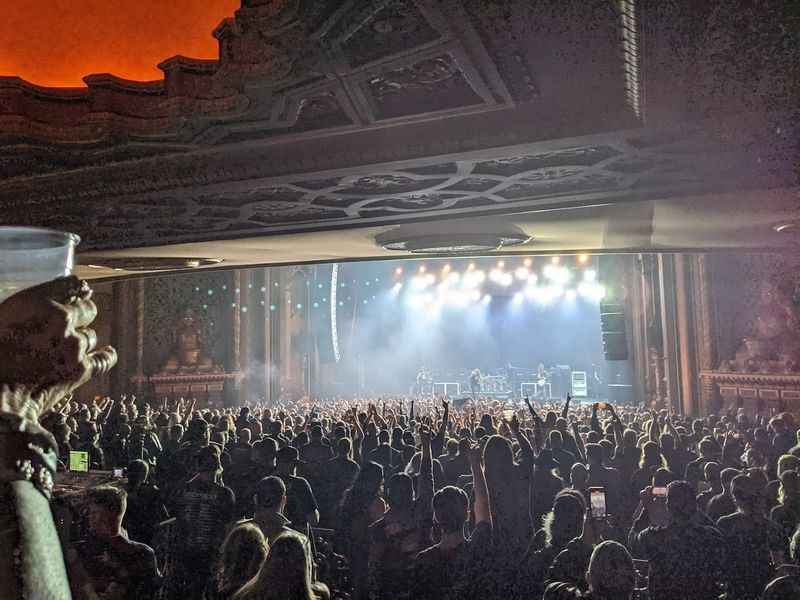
(58, 42)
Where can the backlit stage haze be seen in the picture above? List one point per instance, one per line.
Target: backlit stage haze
(530, 325)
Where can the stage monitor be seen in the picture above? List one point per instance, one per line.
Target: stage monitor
(579, 384)
(450, 389)
(78, 461)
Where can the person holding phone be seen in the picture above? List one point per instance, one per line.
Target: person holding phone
(686, 557)
(570, 565)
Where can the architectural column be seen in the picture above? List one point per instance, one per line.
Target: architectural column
(139, 378)
(286, 307)
(684, 295)
(120, 334)
(638, 330)
(245, 287)
(705, 346)
(672, 367)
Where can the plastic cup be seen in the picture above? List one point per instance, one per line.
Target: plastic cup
(31, 255)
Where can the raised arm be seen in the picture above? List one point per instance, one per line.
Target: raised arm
(594, 422)
(565, 410)
(654, 431)
(425, 481)
(576, 434)
(483, 512)
(437, 444)
(524, 444)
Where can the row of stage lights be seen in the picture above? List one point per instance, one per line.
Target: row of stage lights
(474, 285)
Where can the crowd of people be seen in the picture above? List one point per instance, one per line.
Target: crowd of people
(377, 499)
(425, 501)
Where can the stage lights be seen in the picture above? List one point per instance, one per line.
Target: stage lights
(501, 264)
(583, 259)
(590, 275)
(555, 260)
(445, 269)
(522, 273)
(471, 267)
(528, 262)
(422, 268)
(591, 291)
(398, 271)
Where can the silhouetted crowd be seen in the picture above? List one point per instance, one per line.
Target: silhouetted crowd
(395, 499)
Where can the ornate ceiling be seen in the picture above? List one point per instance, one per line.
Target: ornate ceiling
(322, 114)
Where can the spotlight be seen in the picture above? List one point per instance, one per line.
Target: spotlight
(555, 260)
(532, 278)
(422, 268)
(583, 258)
(396, 288)
(521, 273)
(561, 275)
(471, 267)
(446, 269)
(528, 262)
(591, 291)
(398, 271)
(495, 275)
(590, 275)
(506, 279)
(501, 264)
(430, 279)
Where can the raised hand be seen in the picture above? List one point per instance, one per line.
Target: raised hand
(475, 455)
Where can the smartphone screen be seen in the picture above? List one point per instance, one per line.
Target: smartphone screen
(78, 461)
(508, 414)
(660, 492)
(118, 473)
(597, 499)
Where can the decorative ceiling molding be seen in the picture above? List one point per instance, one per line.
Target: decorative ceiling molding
(292, 66)
(627, 166)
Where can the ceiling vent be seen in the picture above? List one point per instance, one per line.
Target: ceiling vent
(452, 238)
(144, 264)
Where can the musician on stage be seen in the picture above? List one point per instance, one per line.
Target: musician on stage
(541, 380)
(475, 383)
(422, 380)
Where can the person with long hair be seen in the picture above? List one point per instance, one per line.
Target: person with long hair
(650, 461)
(362, 505)
(285, 574)
(562, 524)
(241, 556)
